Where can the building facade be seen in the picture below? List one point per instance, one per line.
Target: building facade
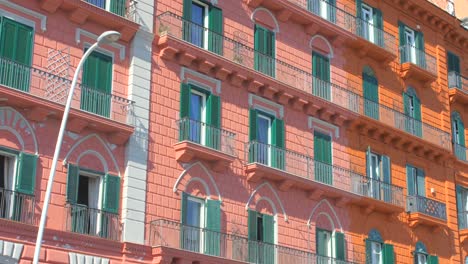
(245, 131)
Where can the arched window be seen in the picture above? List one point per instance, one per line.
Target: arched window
(412, 107)
(321, 54)
(458, 136)
(422, 257)
(370, 87)
(377, 252)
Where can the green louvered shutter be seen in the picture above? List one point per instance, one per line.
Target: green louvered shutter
(253, 148)
(213, 120)
(185, 232)
(421, 180)
(368, 162)
(270, 51)
(252, 236)
(433, 259)
(322, 156)
(268, 238)
(259, 43)
(321, 72)
(410, 180)
(368, 251)
(187, 16)
(111, 192)
(460, 208)
(215, 35)
(72, 183)
(331, 8)
(378, 27)
(408, 119)
(339, 246)
(278, 155)
(417, 117)
(387, 179)
(213, 227)
(359, 9)
(118, 7)
(371, 96)
(420, 50)
(404, 57)
(388, 254)
(461, 133)
(184, 123)
(26, 175)
(264, 46)
(453, 69)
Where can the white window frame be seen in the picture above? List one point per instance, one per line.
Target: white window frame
(11, 166)
(374, 253)
(202, 219)
(368, 23)
(269, 143)
(99, 178)
(206, 10)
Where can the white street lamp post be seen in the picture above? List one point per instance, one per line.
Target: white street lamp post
(105, 38)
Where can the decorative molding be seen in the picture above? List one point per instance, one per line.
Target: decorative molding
(181, 176)
(280, 108)
(216, 82)
(252, 17)
(332, 127)
(330, 47)
(327, 204)
(76, 258)
(97, 155)
(267, 184)
(10, 121)
(88, 34)
(10, 252)
(203, 182)
(41, 17)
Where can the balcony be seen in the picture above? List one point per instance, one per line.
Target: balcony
(174, 241)
(45, 94)
(291, 169)
(460, 152)
(286, 84)
(92, 222)
(425, 211)
(18, 207)
(418, 65)
(463, 226)
(458, 88)
(198, 140)
(119, 15)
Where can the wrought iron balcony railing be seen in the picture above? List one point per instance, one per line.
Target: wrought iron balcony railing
(456, 80)
(409, 53)
(173, 25)
(375, 35)
(42, 84)
(93, 222)
(167, 233)
(17, 206)
(461, 152)
(206, 135)
(306, 167)
(123, 8)
(420, 204)
(463, 220)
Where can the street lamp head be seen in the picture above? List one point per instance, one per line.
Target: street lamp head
(108, 37)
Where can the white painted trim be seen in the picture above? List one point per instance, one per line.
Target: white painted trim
(181, 176)
(106, 147)
(332, 127)
(267, 184)
(329, 219)
(83, 32)
(330, 47)
(268, 102)
(32, 134)
(216, 82)
(10, 250)
(200, 180)
(327, 203)
(76, 258)
(252, 17)
(95, 153)
(27, 11)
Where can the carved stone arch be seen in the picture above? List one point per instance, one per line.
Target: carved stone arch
(265, 17)
(266, 193)
(93, 146)
(197, 174)
(411, 91)
(322, 45)
(369, 71)
(420, 248)
(324, 208)
(16, 128)
(375, 235)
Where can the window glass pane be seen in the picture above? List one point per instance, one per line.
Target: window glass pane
(259, 227)
(197, 28)
(263, 127)
(198, 14)
(83, 191)
(193, 213)
(422, 259)
(376, 253)
(196, 103)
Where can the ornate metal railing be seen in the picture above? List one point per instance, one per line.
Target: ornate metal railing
(17, 206)
(409, 53)
(420, 204)
(460, 151)
(123, 8)
(35, 81)
(174, 26)
(378, 190)
(94, 222)
(456, 80)
(375, 35)
(206, 135)
(167, 233)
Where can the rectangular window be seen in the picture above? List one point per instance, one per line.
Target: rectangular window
(416, 181)
(264, 138)
(411, 46)
(97, 84)
(193, 235)
(197, 117)
(379, 177)
(453, 69)
(321, 74)
(368, 23)
(412, 107)
(199, 20)
(86, 214)
(261, 238)
(264, 46)
(323, 158)
(376, 251)
(324, 246)
(16, 47)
